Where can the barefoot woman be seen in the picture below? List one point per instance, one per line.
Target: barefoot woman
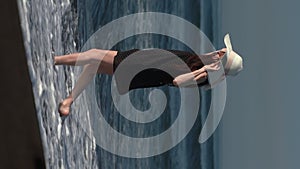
(109, 61)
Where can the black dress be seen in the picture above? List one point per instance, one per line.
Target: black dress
(153, 77)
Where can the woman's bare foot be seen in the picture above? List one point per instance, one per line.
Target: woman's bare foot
(64, 107)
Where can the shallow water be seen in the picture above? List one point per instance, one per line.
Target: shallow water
(56, 27)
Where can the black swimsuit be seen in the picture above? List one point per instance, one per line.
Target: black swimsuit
(152, 77)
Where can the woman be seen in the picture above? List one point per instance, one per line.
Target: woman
(110, 60)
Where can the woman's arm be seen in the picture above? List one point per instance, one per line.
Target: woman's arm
(196, 77)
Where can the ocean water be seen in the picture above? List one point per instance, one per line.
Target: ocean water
(56, 27)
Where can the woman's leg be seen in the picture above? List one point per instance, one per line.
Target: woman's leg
(92, 56)
(84, 79)
(89, 70)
